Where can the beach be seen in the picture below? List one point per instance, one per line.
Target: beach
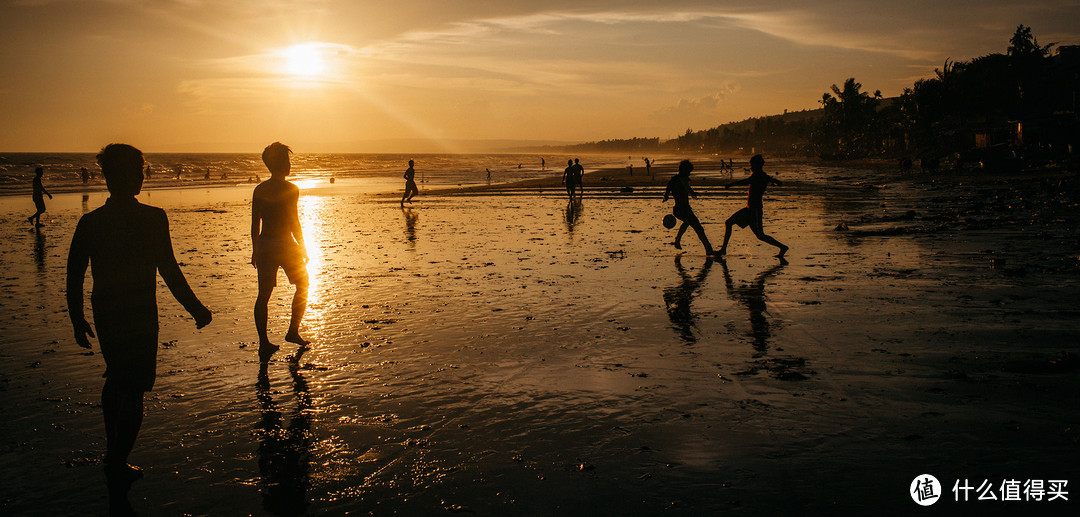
(501, 351)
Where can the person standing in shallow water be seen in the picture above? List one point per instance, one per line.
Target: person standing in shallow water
(410, 184)
(679, 188)
(568, 179)
(752, 214)
(39, 197)
(579, 173)
(278, 242)
(127, 244)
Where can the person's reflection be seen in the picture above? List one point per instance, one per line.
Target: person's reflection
(85, 203)
(39, 250)
(752, 296)
(679, 299)
(410, 225)
(573, 213)
(284, 450)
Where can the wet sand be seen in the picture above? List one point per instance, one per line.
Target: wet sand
(512, 354)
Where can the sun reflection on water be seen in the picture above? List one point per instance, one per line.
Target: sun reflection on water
(312, 211)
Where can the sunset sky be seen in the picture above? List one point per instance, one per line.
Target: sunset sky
(336, 75)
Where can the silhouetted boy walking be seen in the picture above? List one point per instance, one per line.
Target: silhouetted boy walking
(278, 242)
(126, 244)
(39, 198)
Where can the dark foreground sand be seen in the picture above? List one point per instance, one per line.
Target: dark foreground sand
(500, 354)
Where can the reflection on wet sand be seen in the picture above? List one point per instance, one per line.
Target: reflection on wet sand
(573, 213)
(752, 296)
(39, 250)
(410, 225)
(679, 299)
(284, 449)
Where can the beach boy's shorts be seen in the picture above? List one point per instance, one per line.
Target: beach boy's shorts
(127, 332)
(685, 214)
(748, 216)
(286, 254)
(39, 202)
(130, 361)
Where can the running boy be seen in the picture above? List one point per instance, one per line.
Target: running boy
(752, 214)
(410, 184)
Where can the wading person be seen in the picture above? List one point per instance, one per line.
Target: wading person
(39, 194)
(126, 245)
(278, 242)
(568, 179)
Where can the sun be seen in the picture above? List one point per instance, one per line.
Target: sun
(304, 60)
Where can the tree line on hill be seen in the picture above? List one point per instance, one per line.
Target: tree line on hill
(1020, 105)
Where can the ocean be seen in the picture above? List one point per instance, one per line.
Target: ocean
(378, 171)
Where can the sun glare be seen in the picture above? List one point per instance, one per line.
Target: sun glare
(304, 60)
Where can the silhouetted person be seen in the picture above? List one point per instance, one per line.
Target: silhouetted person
(680, 298)
(207, 174)
(678, 187)
(39, 194)
(543, 164)
(579, 173)
(126, 244)
(752, 215)
(148, 172)
(568, 178)
(752, 296)
(224, 173)
(410, 184)
(278, 242)
(85, 175)
(648, 166)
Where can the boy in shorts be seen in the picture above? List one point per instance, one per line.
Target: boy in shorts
(678, 187)
(752, 214)
(39, 194)
(127, 244)
(278, 242)
(410, 184)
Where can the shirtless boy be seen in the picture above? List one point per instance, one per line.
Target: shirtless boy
(278, 242)
(126, 244)
(752, 214)
(679, 188)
